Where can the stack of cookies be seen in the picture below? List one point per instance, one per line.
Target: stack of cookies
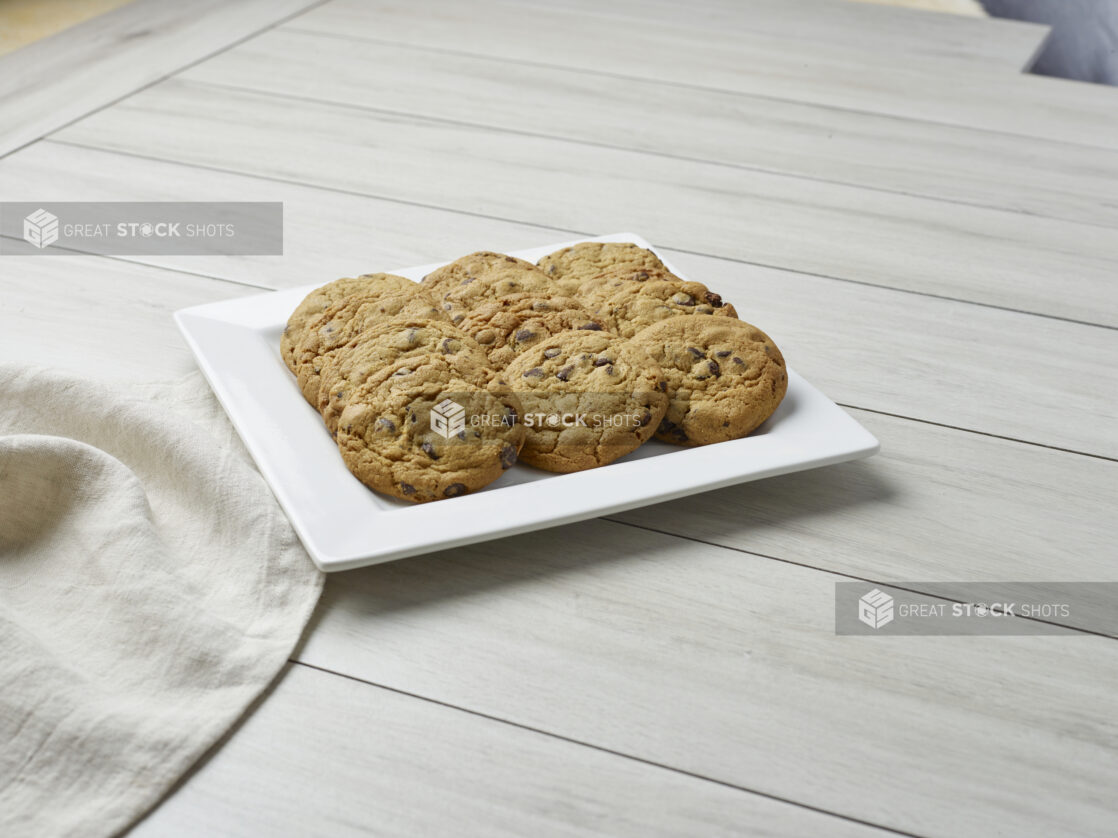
(434, 389)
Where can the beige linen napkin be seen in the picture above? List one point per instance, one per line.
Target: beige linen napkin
(150, 589)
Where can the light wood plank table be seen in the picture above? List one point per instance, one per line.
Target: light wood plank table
(931, 241)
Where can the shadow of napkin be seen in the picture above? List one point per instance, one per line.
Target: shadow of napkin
(150, 589)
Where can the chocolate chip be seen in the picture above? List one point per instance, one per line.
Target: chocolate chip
(508, 457)
(601, 362)
(462, 434)
(535, 372)
(565, 373)
(640, 275)
(683, 299)
(609, 370)
(541, 305)
(738, 360)
(414, 418)
(698, 353)
(407, 488)
(429, 450)
(551, 353)
(714, 299)
(662, 386)
(591, 327)
(645, 418)
(385, 425)
(447, 346)
(714, 368)
(454, 490)
(510, 416)
(723, 353)
(510, 259)
(525, 334)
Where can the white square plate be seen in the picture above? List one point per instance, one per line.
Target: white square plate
(345, 525)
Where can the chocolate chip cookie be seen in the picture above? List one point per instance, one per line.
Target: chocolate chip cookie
(507, 326)
(570, 267)
(589, 398)
(502, 275)
(323, 297)
(424, 429)
(345, 320)
(381, 346)
(635, 304)
(725, 377)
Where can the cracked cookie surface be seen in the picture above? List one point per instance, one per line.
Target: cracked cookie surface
(381, 346)
(570, 267)
(589, 397)
(345, 320)
(499, 273)
(633, 304)
(725, 377)
(388, 440)
(507, 326)
(321, 298)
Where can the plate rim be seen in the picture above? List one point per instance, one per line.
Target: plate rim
(346, 554)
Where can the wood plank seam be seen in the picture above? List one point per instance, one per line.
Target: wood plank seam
(574, 232)
(605, 750)
(4, 152)
(709, 161)
(980, 433)
(869, 580)
(667, 82)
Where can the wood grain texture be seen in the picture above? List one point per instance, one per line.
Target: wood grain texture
(1032, 176)
(935, 505)
(726, 665)
(325, 755)
(1057, 109)
(884, 34)
(327, 233)
(61, 78)
(1000, 258)
(103, 318)
(865, 346)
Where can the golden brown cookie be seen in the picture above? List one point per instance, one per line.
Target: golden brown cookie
(725, 377)
(570, 267)
(345, 320)
(506, 326)
(323, 297)
(381, 346)
(589, 398)
(502, 273)
(470, 295)
(424, 429)
(634, 305)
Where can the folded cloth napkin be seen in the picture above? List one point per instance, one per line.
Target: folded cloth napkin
(150, 590)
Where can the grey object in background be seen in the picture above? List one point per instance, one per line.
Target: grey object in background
(1084, 40)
